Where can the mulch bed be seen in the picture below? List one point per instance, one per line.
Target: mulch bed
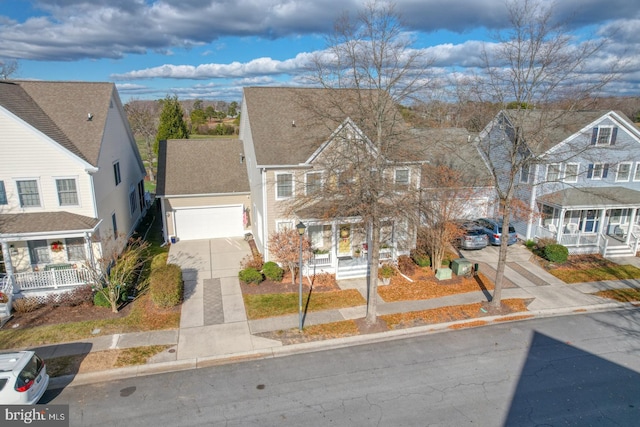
(54, 315)
(322, 283)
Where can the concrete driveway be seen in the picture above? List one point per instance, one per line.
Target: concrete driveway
(213, 320)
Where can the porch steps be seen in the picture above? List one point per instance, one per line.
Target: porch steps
(619, 251)
(351, 270)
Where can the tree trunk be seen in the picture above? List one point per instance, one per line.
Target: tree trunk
(496, 299)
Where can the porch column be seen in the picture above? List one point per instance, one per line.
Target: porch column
(8, 265)
(632, 220)
(603, 218)
(560, 231)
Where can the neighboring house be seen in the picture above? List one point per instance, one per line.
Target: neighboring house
(454, 148)
(203, 189)
(583, 182)
(289, 136)
(71, 179)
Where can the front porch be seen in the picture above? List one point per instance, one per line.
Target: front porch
(341, 248)
(41, 283)
(601, 220)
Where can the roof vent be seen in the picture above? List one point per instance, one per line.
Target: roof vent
(89, 117)
(293, 123)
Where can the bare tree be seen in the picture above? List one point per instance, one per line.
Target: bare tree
(532, 67)
(117, 271)
(8, 68)
(285, 247)
(368, 68)
(143, 119)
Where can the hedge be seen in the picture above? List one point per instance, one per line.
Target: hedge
(166, 286)
(556, 253)
(250, 275)
(272, 271)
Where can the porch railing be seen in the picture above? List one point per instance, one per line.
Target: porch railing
(321, 260)
(51, 279)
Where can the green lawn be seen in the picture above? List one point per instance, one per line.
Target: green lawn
(611, 272)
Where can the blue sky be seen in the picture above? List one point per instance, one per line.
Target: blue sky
(210, 49)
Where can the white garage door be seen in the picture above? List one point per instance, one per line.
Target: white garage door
(209, 223)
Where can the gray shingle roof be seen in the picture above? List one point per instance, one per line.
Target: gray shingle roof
(60, 109)
(201, 166)
(593, 197)
(45, 222)
(289, 124)
(548, 128)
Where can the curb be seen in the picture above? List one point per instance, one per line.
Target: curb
(314, 346)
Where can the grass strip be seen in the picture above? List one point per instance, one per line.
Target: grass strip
(615, 272)
(622, 295)
(260, 306)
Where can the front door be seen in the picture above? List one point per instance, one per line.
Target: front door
(344, 240)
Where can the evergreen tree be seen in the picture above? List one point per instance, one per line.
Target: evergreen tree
(172, 124)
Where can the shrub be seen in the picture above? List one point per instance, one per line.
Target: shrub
(530, 244)
(386, 271)
(272, 271)
(556, 253)
(250, 275)
(166, 286)
(421, 260)
(406, 265)
(159, 260)
(26, 305)
(100, 300)
(252, 261)
(542, 243)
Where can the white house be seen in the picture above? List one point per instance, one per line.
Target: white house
(71, 178)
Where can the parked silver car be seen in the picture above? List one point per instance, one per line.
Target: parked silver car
(474, 237)
(493, 230)
(23, 378)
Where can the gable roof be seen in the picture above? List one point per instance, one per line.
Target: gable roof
(288, 125)
(559, 125)
(60, 110)
(201, 166)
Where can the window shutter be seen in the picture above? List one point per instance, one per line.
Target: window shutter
(614, 134)
(590, 171)
(594, 136)
(605, 170)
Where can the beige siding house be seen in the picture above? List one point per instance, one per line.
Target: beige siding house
(203, 189)
(290, 138)
(72, 177)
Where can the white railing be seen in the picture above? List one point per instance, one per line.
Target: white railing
(51, 279)
(321, 259)
(580, 239)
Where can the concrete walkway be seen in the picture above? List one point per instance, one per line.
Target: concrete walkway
(214, 326)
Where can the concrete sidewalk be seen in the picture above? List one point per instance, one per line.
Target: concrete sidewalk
(214, 327)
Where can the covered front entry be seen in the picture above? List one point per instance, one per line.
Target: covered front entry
(209, 222)
(596, 220)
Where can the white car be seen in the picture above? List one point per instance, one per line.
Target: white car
(23, 378)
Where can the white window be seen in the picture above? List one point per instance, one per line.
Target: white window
(39, 252)
(116, 173)
(604, 135)
(284, 184)
(597, 171)
(524, 174)
(402, 177)
(75, 249)
(571, 172)
(624, 172)
(636, 174)
(133, 202)
(553, 172)
(3, 194)
(67, 192)
(314, 182)
(28, 193)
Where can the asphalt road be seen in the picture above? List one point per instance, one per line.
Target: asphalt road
(581, 370)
